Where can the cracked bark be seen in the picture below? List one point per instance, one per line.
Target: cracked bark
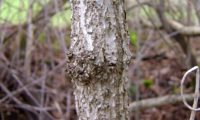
(98, 59)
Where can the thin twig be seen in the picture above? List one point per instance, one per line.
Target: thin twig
(196, 96)
(68, 104)
(26, 106)
(29, 40)
(42, 91)
(192, 116)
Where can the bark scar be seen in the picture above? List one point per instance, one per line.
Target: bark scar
(82, 67)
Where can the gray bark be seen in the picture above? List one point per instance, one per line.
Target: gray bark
(98, 59)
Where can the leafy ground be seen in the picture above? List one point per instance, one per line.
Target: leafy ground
(159, 74)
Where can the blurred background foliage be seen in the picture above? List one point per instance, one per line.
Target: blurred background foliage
(11, 10)
(35, 35)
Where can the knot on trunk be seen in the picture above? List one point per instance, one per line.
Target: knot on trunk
(83, 67)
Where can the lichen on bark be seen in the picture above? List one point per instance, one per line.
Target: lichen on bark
(98, 59)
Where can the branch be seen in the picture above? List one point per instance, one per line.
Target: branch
(180, 38)
(185, 30)
(148, 3)
(156, 102)
(182, 29)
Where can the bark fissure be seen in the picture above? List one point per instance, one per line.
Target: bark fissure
(98, 59)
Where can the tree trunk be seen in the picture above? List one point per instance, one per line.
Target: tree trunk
(98, 59)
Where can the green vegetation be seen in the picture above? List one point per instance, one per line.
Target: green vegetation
(148, 83)
(133, 38)
(147, 11)
(62, 18)
(16, 11)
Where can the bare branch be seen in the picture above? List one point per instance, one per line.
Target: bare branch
(180, 28)
(185, 30)
(156, 102)
(29, 42)
(148, 3)
(180, 38)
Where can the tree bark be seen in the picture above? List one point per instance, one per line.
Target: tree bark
(98, 59)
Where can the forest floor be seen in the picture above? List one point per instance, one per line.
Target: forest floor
(156, 74)
(160, 74)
